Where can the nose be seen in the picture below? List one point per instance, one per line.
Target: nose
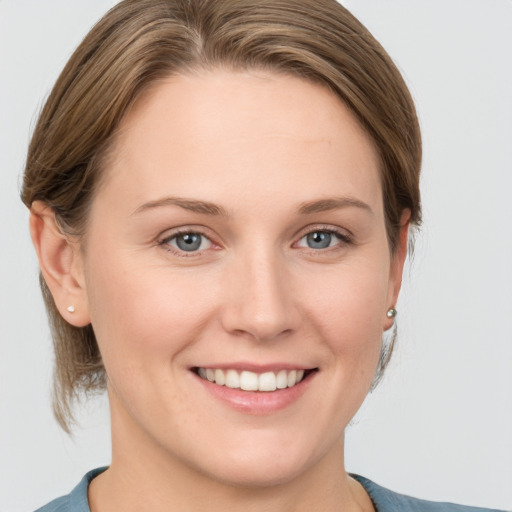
(259, 299)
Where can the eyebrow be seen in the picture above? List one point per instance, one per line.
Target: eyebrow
(332, 203)
(193, 205)
(207, 208)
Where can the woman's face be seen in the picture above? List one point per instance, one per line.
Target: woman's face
(238, 234)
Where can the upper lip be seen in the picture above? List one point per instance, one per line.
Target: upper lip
(256, 368)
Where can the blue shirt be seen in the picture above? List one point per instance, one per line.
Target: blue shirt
(383, 499)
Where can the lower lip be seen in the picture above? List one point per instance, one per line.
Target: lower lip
(257, 402)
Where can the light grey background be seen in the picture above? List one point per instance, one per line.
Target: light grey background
(440, 425)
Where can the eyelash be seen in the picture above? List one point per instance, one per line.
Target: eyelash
(343, 238)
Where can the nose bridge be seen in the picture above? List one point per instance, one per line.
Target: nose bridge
(260, 299)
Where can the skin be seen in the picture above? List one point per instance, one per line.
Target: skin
(259, 146)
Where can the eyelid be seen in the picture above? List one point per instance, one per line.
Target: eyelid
(342, 232)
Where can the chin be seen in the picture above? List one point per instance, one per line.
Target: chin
(255, 474)
(261, 462)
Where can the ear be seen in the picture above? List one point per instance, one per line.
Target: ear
(397, 265)
(61, 264)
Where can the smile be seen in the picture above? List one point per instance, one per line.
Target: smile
(252, 381)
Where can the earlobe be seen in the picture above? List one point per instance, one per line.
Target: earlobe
(61, 265)
(397, 266)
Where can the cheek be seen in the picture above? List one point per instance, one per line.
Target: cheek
(351, 299)
(348, 311)
(145, 314)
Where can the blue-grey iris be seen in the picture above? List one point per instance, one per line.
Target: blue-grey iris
(319, 239)
(189, 241)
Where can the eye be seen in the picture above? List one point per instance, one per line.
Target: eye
(322, 239)
(188, 242)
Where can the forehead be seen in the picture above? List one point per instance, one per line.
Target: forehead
(241, 129)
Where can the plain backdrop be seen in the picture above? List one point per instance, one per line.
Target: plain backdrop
(440, 425)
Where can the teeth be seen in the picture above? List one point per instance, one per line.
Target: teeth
(220, 377)
(251, 381)
(267, 381)
(292, 378)
(232, 378)
(282, 379)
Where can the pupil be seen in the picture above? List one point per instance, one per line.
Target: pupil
(319, 240)
(189, 242)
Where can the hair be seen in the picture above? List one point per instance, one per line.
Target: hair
(139, 42)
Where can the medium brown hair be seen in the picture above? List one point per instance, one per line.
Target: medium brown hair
(141, 41)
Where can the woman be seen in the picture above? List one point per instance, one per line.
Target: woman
(220, 200)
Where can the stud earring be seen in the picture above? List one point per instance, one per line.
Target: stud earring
(71, 308)
(391, 313)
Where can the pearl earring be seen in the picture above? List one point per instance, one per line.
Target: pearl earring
(391, 313)
(71, 308)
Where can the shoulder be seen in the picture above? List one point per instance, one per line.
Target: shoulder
(385, 500)
(57, 505)
(76, 500)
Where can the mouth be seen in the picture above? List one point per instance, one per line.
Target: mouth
(246, 380)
